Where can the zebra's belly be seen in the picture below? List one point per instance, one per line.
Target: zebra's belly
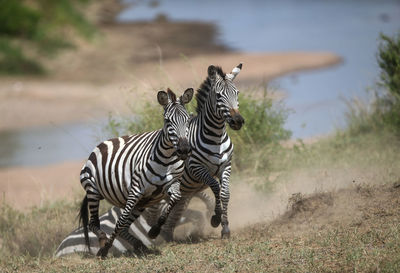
(149, 201)
(152, 194)
(153, 187)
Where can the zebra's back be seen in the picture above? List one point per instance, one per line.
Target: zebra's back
(75, 241)
(112, 165)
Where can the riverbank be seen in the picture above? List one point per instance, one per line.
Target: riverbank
(127, 64)
(28, 102)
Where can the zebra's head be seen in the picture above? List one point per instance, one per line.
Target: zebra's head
(176, 120)
(226, 95)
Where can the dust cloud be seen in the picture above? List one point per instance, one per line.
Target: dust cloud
(250, 206)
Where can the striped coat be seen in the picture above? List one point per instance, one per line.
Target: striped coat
(209, 164)
(136, 171)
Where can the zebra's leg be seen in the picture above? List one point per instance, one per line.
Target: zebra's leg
(225, 195)
(124, 221)
(136, 243)
(201, 174)
(167, 231)
(175, 195)
(207, 201)
(214, 185)
(151, 214)
(94, 222)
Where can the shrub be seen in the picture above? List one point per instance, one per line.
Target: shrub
(40, 28)
(254, 143)
(389, 62)
(383, 112)
(262, 133)
(14, 61)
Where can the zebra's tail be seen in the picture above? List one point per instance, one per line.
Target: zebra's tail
(84, 220)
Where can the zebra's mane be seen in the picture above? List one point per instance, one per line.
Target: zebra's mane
(204, 91)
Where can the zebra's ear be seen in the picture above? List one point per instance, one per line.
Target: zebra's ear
(212, 70)
(171, 95)
(234, 73)
(187, 96)
(162, 98)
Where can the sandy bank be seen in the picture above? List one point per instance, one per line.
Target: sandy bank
(26, 102)
(33, 186)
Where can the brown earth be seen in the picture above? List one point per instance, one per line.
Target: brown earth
(355, 229)
(354, 206)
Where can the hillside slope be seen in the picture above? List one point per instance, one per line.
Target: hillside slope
(355, 229)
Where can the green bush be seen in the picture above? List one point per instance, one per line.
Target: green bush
(383, 112)
(262, 132)
(14, 61)
(44, 26)
(147, 117)
(255, 143)
(17, 19)
(388, 104)
(389, 62)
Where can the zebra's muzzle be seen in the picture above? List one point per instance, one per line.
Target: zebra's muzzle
(236, 120)
(183, 150)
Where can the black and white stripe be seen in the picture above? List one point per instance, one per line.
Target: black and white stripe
(212, 149)
(75, 241)
(135, 172)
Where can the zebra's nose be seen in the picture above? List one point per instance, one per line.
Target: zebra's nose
(237, 121)
(183, 150)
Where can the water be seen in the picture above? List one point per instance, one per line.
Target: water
(348, 28)
(46, 145)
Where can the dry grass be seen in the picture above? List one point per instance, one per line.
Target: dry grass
(342, 216)
(310, 237)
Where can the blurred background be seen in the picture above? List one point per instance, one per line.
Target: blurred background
(73, 72)
(319, 89)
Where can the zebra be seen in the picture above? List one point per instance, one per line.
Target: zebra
(75, 241)
(212, 150)
(136, 171)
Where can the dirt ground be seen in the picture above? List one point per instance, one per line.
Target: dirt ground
(125, 63)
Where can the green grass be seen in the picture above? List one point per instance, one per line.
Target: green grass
(38, 232)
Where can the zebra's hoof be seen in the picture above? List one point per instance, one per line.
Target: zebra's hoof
(225, 233)
(139, 246)
(215, 220)
(102, 253)
(103, 240)
(154, 231)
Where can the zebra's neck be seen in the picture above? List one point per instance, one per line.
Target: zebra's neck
(163, 147)
(212, 126)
